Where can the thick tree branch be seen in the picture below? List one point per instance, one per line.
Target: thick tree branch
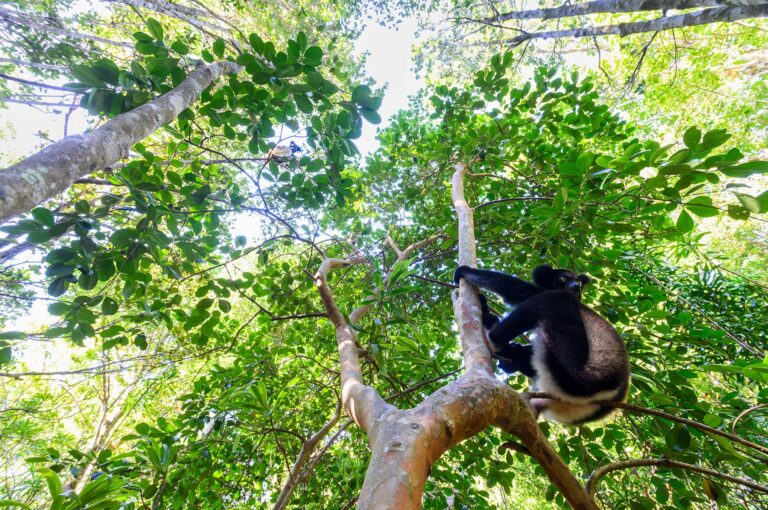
(54, 169)
(613, 6)
(600, 472)
(702, 17)
(466, 303)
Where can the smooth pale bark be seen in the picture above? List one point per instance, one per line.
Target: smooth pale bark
(702, 17)
(405, 443)
(49, 172)
(614, 6)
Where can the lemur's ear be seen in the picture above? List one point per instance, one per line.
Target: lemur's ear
(584, 279)
(544, 276)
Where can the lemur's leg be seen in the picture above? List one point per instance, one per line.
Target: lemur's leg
(512, 356)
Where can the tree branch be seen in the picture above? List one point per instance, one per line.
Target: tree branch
(10, 16)
(466, 302)
(305, 453)
(600, 472)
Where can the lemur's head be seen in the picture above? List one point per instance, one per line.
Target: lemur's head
(559, 279)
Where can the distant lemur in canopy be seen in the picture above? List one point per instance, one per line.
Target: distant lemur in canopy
(574, 354)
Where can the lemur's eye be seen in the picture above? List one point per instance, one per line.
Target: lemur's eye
(563, 279)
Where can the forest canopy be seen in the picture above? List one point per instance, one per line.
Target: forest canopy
(214, 296)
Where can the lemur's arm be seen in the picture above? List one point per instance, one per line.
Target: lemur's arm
(512, 289)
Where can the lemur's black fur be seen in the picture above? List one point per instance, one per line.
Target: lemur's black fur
(574, 354)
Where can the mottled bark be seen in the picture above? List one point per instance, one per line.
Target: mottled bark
(52, 170)
(614, 6)
(405, 443)
(702, 17)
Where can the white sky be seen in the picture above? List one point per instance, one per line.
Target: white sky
(390, 63)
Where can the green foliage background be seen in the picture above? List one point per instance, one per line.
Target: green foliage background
(188, 359)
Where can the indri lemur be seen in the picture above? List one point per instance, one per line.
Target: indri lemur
(574, 354)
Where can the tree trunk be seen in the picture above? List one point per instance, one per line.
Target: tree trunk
(51, 171)
(703, 17)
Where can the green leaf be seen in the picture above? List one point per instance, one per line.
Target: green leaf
(141, 341)
(713, 491)
(13, 335)
(751, 203)
(218, 47)
(86, 75)
(678, 439)
(678, 169)
(314, 53)
(692, 137)
(301, 40)
(361, 94)
(684, 222)
(7, 503)
(256, 43)
(370, 115)
(303, 103)
(43, 215)
(702, 206)
(746, 169)
(714, 138)
(109, 306)
(155, 28)
(6, 354)
(58, 286)
(58, 269)
(59, 308)
(123, 237)
(179, 47)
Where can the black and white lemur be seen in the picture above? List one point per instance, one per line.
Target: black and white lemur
(574, 354)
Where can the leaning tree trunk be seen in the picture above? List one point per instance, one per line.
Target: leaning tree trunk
(614, 6)
(52, 170)
(406, 442)
(691, 19)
